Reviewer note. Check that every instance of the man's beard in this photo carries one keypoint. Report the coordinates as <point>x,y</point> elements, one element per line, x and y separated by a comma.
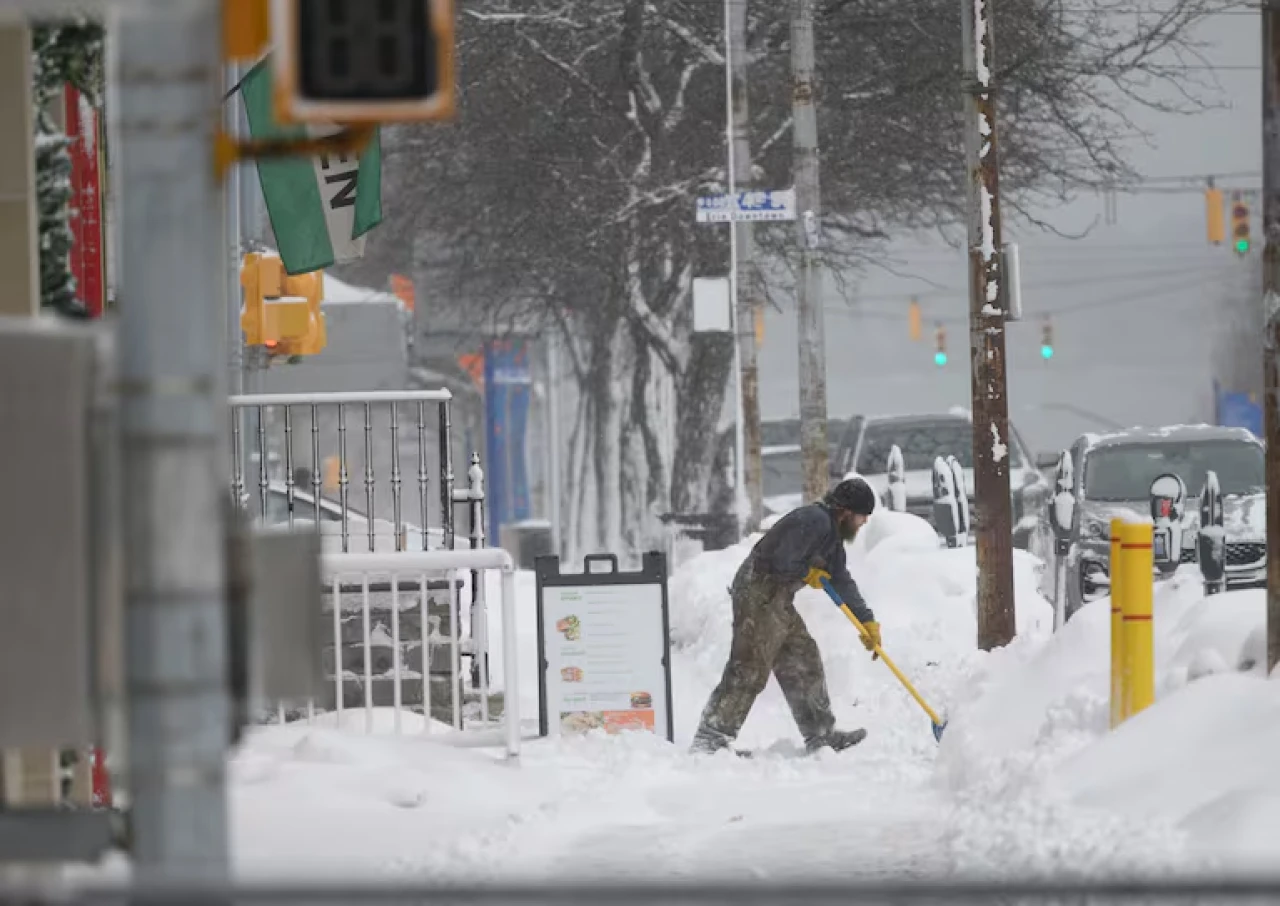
<point>848,532</point>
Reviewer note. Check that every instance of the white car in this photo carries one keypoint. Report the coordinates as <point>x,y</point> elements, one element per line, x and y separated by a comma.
<point>864,450</point>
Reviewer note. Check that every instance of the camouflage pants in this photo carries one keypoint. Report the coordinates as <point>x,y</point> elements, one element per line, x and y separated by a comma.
<point>769,636</point>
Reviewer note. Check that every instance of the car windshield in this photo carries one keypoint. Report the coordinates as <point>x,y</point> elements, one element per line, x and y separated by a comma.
<point>1126,472</point>
<point>921,443</point>
<point>782,473</point>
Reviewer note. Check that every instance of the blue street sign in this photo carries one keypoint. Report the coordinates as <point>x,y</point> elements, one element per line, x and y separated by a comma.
<point>754,206</point>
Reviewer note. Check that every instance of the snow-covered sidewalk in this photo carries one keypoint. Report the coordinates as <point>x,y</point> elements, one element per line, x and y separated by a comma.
<point>1028,777</point>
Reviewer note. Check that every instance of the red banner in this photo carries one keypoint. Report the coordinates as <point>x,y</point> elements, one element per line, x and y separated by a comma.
<point>86,200</point>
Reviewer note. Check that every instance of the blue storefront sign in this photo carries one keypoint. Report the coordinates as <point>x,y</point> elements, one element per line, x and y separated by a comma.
<point>507,385</point>
<point>1238,410</point>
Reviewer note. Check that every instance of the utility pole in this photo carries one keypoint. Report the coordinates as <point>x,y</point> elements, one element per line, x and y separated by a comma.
<point>809,320</point>
<point>749,300</point>
<point>993,511</point>
<point>167,70</point>
<point>740,504</point>
<point>1271,307</point>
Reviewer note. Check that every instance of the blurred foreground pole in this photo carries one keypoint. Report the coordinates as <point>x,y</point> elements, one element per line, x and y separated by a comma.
<point>167,71</point>
<point>1271,308</point>
<point>993,514</point>
<point>809,321</point>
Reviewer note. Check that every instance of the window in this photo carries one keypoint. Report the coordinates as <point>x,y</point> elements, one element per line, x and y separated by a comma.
<point>783,473</point>
<point>1126,472</point>
<point>921,443</point>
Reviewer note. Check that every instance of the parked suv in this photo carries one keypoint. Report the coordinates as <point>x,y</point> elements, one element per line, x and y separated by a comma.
<point>865,444</point>
<point>1112,475</point>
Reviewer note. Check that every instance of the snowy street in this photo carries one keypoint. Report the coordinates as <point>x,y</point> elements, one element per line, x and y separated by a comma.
<point>1027,778</point>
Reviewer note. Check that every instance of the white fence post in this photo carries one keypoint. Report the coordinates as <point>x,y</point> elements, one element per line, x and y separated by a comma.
<point>394,566</point>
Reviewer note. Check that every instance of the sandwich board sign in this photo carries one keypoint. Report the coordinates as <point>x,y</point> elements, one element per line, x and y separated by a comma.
<point>604,650</point>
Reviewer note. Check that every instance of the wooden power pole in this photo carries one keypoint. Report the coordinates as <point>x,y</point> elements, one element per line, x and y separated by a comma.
<point>993,511</point>
<point>809,326</point>
<point>749,291</point>
<point>1271,308</point>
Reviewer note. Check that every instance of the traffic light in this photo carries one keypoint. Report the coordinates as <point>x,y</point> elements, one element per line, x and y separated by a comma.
<point>940,357</point>
<point>1213,216</point>
<point>913,321</point>
<point>1046,340</point>
<point>281,313</point>
<point>1240,224</point>
<point>364,61</point>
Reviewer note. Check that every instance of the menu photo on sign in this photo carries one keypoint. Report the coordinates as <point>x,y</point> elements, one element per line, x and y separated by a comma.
<point>604,657</point>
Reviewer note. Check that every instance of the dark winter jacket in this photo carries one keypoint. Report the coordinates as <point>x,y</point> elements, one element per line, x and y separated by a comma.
<point>805,538</point>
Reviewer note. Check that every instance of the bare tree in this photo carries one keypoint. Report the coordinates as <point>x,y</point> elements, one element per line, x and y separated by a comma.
<point>564,192</point>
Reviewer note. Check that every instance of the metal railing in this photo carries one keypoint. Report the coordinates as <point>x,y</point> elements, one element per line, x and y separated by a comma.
<point>419,641</point>
<point>288,483</point>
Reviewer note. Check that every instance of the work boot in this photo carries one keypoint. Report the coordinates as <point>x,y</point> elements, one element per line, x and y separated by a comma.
<point>839,740</point>
<point>707,742</point>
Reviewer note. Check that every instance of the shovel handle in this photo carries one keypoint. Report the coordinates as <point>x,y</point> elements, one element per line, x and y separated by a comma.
<point>844,608</point>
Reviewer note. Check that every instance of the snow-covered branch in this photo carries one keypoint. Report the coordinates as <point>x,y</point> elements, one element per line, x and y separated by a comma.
<point>708,51</point>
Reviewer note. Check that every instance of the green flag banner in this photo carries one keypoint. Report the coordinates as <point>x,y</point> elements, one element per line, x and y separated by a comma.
<point>320,207</point>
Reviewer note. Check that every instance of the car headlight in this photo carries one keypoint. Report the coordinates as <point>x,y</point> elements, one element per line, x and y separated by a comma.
<point>1095,529</point>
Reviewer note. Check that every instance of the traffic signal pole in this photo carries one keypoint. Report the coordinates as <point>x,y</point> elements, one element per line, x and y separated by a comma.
<point>993,508</point>
<point>1271,308</point>
<point>166,69</point>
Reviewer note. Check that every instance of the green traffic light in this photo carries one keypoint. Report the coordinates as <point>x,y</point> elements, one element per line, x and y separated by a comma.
<point>1242,245</point>
<point>1046,351</point>
<point>939,358</point>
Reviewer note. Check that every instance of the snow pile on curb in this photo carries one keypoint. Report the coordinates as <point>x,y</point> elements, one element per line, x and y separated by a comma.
<point>1030,729</point>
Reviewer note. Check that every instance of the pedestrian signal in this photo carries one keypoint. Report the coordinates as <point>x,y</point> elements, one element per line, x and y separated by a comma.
<point>365,61</point>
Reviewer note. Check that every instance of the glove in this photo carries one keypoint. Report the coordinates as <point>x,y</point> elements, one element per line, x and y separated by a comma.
<point>815,577</point>
<point>871,638</point>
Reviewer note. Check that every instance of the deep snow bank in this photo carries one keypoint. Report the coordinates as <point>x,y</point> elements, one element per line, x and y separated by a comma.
<point>1203,758</point>
<point>1031,724</point>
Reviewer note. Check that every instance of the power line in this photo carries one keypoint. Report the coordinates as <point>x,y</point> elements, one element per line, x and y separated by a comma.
<point>1114,301</point>
<point>954,293</point>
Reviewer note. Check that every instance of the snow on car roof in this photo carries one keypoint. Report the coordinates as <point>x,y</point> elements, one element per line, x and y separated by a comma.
<point>921,417</point>
<point>1168,434</point>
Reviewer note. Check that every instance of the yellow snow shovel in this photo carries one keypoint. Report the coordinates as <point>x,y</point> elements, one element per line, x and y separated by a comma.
<point>938,724</point>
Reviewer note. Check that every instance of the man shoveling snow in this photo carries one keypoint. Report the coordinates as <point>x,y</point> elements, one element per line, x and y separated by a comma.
<point>803,547</point>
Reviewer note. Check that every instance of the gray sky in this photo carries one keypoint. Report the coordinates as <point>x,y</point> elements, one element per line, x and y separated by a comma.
<point>1152,274</point>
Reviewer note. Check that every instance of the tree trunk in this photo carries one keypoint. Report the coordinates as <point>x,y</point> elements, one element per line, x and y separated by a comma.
<point>700,403</point>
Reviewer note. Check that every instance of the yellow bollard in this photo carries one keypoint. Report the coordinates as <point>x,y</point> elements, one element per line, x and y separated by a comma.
<point>1117,625</point>
<point>1139,635</point>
